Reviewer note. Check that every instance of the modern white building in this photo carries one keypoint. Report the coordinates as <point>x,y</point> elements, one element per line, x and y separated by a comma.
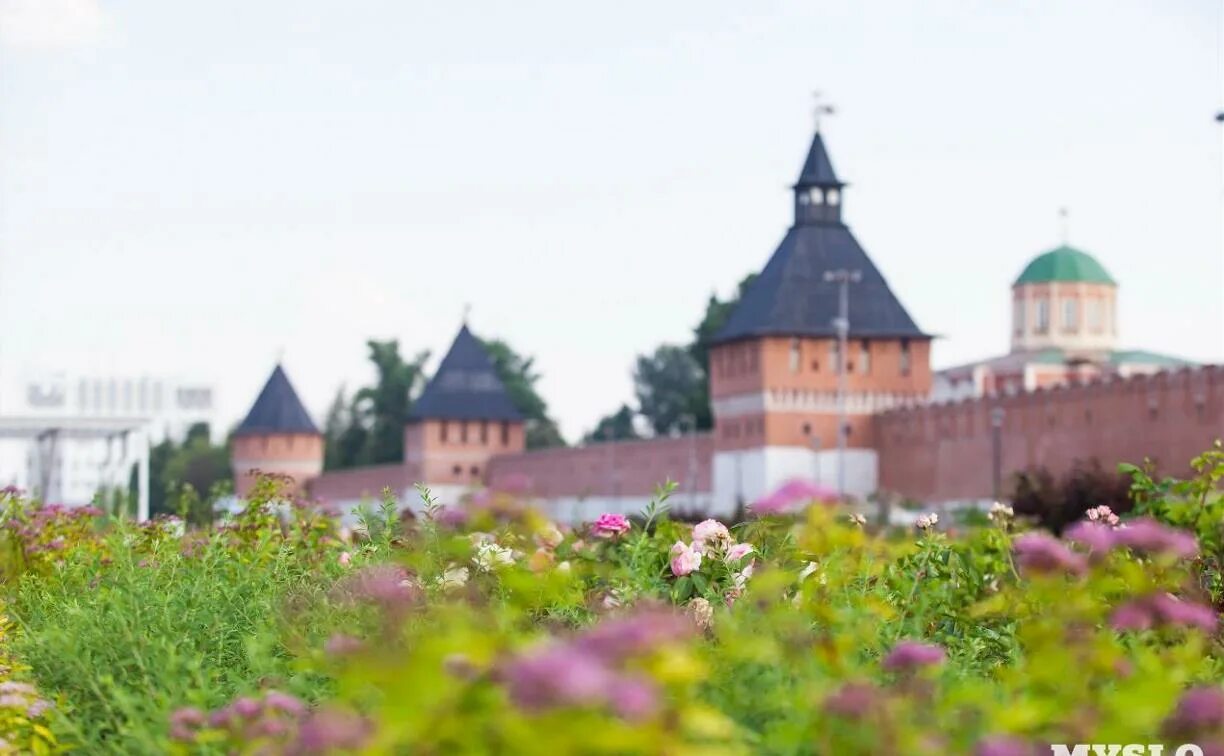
<point>66,437</point>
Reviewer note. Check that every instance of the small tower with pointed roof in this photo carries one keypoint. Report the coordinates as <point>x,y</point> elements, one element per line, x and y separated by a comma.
<point>277,436</point>
<point>774,365</point>
<point>464,417</point>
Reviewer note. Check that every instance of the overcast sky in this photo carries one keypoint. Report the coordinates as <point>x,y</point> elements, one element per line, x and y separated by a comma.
<point>192,188</point>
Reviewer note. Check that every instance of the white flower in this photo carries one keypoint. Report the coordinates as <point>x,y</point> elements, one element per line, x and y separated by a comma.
<point>453,578</point>
<point>490,556</point>
<point>1000,511</point>
<point>926,522</point>
<point>1103,513</point>
<point>710,532</point>
<point>808,569</point>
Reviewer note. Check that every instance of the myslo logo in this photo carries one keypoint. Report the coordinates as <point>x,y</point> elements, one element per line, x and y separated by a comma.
<point>1118,749</point>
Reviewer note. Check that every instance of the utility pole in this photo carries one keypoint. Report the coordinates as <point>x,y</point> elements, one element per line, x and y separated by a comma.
<point>996,452</point>
<point>841,325</point>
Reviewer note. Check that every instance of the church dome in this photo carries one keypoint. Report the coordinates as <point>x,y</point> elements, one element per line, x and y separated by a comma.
<point>1065,264</point>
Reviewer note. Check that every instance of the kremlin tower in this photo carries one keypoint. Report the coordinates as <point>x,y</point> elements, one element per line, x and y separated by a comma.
<point>277,436</point>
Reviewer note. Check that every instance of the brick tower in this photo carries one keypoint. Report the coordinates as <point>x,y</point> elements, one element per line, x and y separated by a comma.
<point>774,367</point>
<point>463,418</point>
<point>277,436</point>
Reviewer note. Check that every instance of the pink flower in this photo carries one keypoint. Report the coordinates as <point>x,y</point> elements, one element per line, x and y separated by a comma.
<point>912,655</point>
<point>711,531</point>
<point>345,559</point>
<point>290,705</point>
<point>1039,552</point>
<point>1148,536</point>
<point>610,526</point>
<point>791,496</point>
<point>685,559</point>
<point>633,698</point>
<point>739,551</point>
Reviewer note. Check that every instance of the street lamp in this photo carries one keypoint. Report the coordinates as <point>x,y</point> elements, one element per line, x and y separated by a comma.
<point>996,450</point>
<point>841,325</point>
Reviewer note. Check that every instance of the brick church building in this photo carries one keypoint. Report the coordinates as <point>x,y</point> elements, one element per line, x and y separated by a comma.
<point>778,386</point>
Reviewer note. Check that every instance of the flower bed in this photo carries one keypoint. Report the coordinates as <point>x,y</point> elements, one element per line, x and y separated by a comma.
<point>488,629</point>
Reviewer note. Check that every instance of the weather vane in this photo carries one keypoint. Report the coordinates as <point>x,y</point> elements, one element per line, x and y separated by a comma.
<point>822,108</point>
<point>467,312</point>
<point>1064,224</point>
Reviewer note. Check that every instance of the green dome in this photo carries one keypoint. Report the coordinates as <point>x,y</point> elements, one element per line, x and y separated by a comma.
<point>1065,264</point>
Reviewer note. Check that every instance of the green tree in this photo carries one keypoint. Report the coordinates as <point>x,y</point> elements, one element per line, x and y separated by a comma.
<point>196,463</point>
<point>617,426</point>
<point>668,384</point>
<point>383,408</point>
<point>518,374</point>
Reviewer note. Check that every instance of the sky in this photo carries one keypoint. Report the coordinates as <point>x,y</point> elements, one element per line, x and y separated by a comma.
<point>199,189</point>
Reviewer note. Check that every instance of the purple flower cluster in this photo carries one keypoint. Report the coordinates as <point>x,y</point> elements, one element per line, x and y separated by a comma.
<point>589,669</point>
<point>278,720</point>
<point>387,585</point>
<point>852,700</point>
<point>23,697</point>
<point>1163,609</point>
<point>912,655</point>
<point>1143,535</point>
<point>1039,552</point>
<point>1197,710</point>
<point>792,496</point>
<point>1005,745</point>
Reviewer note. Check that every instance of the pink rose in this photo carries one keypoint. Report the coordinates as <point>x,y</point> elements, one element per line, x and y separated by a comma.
<point>685,559</point>
<point>345,559</point>
<point>610,526</point>
<point>710,531</point>
<point>739,551</point>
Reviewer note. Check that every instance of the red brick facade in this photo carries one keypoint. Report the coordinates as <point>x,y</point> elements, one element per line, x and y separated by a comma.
<point>944,451</point>
<point>298,455</point>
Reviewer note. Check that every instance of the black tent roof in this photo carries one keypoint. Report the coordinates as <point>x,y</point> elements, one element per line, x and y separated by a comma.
<point>277,409</point>
<point>791,298</point>
<point>466,387</point>
<point>818,168</point>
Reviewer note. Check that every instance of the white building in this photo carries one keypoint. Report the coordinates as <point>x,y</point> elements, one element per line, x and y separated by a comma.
<point>64,437</point>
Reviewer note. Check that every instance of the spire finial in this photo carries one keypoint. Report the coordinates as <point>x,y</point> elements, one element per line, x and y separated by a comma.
<point>467,312</point>
<point>280,355</point>
<point>821,107</point>
<point>1064,224</point>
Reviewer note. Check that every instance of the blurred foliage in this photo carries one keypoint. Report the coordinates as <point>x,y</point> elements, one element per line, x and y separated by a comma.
<point>1055,502</point>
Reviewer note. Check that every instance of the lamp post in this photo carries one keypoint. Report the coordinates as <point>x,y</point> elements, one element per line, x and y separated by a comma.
<point>841,325</point>
<point>996,451</point>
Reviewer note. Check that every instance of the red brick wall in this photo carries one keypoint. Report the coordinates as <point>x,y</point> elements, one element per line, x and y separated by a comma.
<point>362,482</point>
<point>588,471</point>
<point>943,452</point>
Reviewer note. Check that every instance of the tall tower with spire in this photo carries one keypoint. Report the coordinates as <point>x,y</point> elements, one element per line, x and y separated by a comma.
<point>463,418</point>
<point>277,436</point>
<point>774,366</point>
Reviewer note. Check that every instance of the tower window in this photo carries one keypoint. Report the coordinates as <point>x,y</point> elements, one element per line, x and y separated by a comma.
<point>833,196</point>
<point>484,432</point>
<point>1043,315</point>
<point>816,196</point>
<point>1096,322</point>
<point>865,357</point>
<point>445,431</point>
<point>803,198</point>
<point>1018,316</point>
<point>463,430</point>
<point>457,470</point>
<point>505,433</point>
<point>1070,315</point>
<point>905,357</point>
<point>796,356</point>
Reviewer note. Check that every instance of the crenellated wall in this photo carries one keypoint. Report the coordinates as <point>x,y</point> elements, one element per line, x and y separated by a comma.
<point>943,452</point>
